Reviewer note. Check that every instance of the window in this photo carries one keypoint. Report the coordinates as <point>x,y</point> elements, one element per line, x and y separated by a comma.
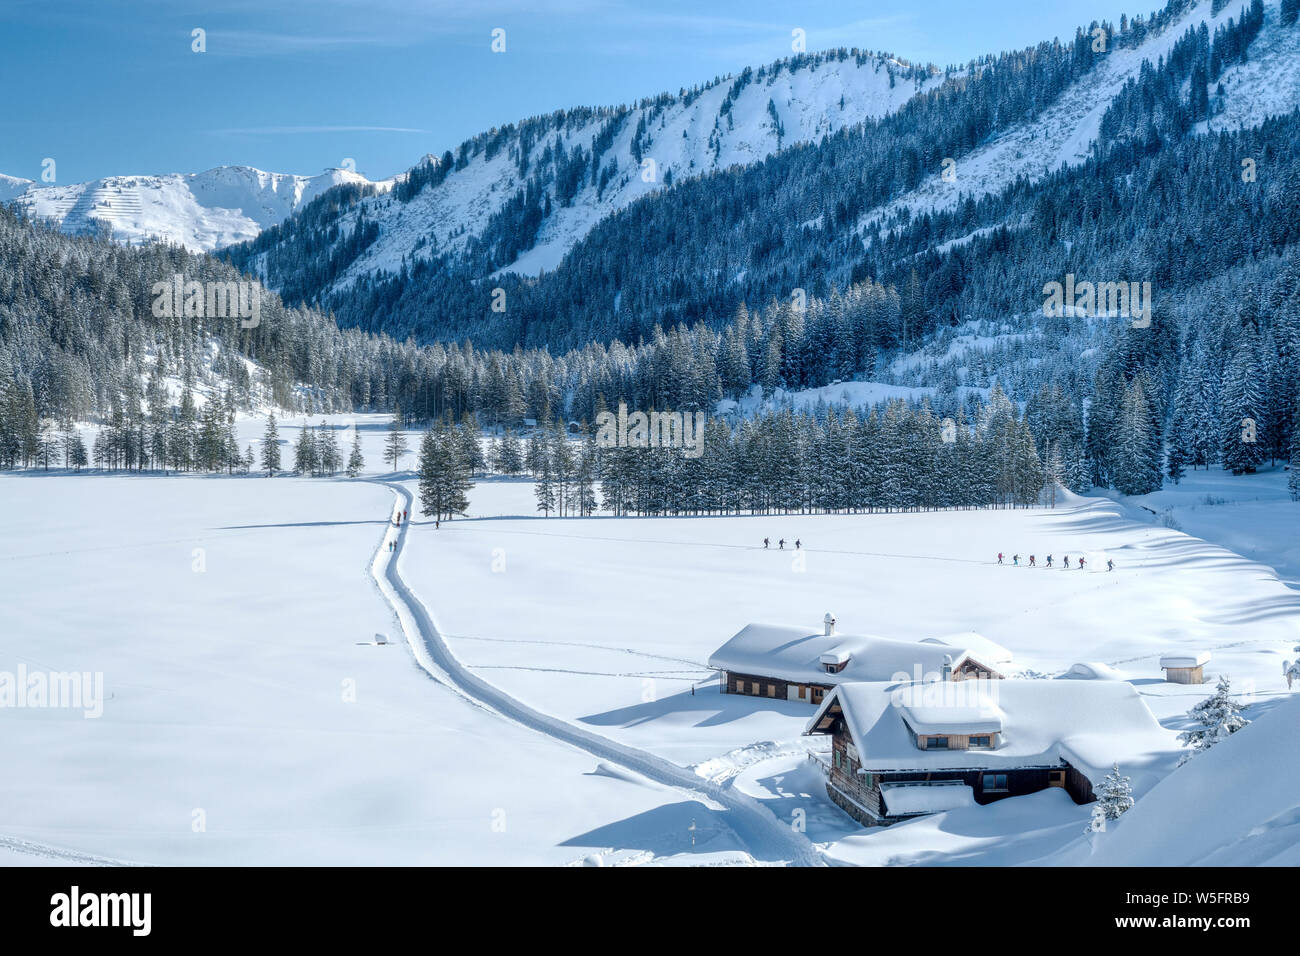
<point>837,758</point>
<point>995,783</point>
<point>771,690</point>
<point>936,743</point>
<point>803,692</point>
<point>980,743</point>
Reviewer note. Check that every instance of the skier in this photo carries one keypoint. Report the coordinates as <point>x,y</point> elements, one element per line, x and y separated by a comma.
<point>1067,560</point>
<point>1081,560</point>
<point>435,524</point>
<point>1015,560</point>
<point>765,543</point>
<point>404,515</point>
<point>797,544</point>
<point>1049,560</point>
<point>1031,561</point>
<point>781,544</point>
<point>1110,565</point>
<point>999,557</point>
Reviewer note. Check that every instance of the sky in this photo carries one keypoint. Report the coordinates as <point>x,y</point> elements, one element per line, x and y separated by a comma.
<point>108,87</point>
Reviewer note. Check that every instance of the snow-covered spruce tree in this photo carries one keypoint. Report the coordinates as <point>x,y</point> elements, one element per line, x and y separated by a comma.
<point>327,446</point>
<point>395,445</point>
<point>1242,408</point>
<point>1114,799</point>
<point>1291,669</point>
<point>1293,478</point>
<point>1218,717</point>
<point>445,478</point>
<point>306,458</point>
<point>1137,459</point>
<point>356,462</point>
<point>271,447</point>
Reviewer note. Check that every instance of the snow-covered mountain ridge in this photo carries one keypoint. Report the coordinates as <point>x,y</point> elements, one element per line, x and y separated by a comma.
<point>200,211</point>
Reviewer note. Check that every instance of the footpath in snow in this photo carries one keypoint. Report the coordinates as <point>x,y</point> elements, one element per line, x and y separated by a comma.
<point>766,838</point>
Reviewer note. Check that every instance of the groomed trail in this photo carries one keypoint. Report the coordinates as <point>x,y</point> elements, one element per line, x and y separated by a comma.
<point>763,836</point>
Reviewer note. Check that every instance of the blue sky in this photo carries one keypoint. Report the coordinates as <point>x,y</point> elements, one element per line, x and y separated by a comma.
<point>112,86</point>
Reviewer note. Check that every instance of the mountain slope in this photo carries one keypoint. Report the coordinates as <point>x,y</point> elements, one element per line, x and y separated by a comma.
<point>731,217</point>
<point>201,211</point>
<point>1238,804</point>
<point>1267,84</point>
<point>530,191</point>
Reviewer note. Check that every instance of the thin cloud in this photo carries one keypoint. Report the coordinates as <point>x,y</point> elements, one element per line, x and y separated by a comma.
<point>291,130</point>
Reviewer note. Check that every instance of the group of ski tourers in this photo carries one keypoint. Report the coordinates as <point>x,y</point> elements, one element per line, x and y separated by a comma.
<point>398,518</point>
<point>781,544</point>
<point>1033,561</point>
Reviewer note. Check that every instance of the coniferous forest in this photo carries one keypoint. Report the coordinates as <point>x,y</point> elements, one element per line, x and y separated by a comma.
<point>764,279</point>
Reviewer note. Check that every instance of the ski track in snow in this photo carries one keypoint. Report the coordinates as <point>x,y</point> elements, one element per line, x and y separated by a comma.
<point>766,839</point>
<point>58,853</point>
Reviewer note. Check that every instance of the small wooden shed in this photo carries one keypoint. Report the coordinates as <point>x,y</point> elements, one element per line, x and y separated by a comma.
<point>1185,668</point>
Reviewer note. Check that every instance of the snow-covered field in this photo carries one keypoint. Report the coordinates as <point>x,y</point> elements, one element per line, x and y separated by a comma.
<point>242,702</point>
<point>230,618</point>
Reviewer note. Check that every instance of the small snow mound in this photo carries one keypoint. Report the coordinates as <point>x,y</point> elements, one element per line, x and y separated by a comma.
<point>1091,670</point>
<point>592,860</point>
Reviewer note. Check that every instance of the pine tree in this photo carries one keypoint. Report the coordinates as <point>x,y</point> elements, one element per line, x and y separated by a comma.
<point>1136,460</point>
<point>1291,669</point>
<point>1293,477</point>
<point>77,458</point>
<point>327,446</point>
<point>444,473</point>
<point>271,447</point>
<point>1218,716</point>
<point>356,463</point>
<point>1242,424</point>
<point>395,445</point>
<point>306,457</point>
<point>1114,799</point>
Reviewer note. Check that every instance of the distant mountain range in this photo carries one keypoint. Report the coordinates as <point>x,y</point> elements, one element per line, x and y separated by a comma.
<point>783,176</point>
<point>200,211</point>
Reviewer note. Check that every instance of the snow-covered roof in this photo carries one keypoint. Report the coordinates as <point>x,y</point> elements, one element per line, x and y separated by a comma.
<point>797,654</point>
<point>1092,724</point>
<point>904,799</point>
<point>1185,660</point>
<point>978,646</point>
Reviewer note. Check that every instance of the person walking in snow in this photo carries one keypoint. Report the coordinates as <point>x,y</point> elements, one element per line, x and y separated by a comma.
<point>1067,560</point>
<point>1031,561</point>
<point>999,557</point>
<point>1049,560</point>
<point>404,514</point>
<point>765,543</point>
<point>797,544</point>
<point>1081,560</point>
<point>781,544</point>
<point>1110,565</point>
<point>1015,560</point>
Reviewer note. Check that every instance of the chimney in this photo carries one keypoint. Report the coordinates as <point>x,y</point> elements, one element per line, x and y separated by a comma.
<point>829,621</point>
<point>946,672</point>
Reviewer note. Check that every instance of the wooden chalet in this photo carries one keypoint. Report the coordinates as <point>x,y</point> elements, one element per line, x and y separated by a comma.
<point>791,663</point>
<point>900,750</point>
